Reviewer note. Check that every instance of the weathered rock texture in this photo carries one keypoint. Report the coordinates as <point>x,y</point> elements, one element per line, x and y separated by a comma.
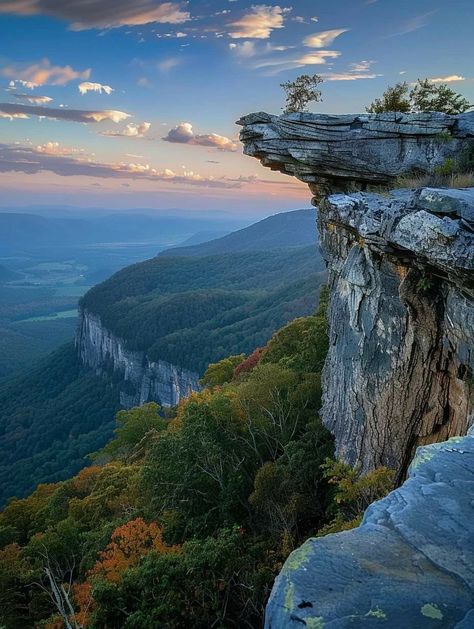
<point>410,564</point>
<point>399,371</point>
<point>140,379</point>
<point>352,152</point>
<point>400,366</point>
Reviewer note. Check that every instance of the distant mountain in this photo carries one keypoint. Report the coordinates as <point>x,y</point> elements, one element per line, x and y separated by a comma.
<point>288,229</point>
<point>31,232</point>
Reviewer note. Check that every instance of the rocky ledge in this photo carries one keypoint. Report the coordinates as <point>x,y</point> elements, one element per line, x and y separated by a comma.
<point>409,564</point>
<point>355,151</point>
<point>140,379</point>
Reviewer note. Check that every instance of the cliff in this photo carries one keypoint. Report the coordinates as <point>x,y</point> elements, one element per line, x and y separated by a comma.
<point>140,380</point>
<point>409,564</point>
<point>401,358</point>
<point>399,371</point>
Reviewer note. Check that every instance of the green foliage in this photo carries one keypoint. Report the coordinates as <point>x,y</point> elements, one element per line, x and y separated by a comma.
<point>50,419</point>
<point>394,98</point>
<point>195,311</point>
<point>354,492</point>
<point>424,96</point>
<point>300,92</point>
<point>133,427</point>
<point>194,516</point>
<point>222,372</point>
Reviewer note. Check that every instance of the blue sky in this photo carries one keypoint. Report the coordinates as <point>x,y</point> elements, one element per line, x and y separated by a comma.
<point>185,71</point>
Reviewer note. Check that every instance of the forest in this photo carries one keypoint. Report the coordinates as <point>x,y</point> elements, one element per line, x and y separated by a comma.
<point>185,517</point>
<point>233,302</point>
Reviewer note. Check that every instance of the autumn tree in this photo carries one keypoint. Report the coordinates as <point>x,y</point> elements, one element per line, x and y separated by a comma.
<point>129,543</point>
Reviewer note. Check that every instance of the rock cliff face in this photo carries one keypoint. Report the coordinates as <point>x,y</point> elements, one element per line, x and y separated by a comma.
<point>140,379</point>
<point>401,270</point>
<point>410,563</point>
<point>401,323</point>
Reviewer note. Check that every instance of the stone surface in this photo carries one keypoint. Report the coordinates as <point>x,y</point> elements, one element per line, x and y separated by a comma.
<point>399,371</point>
<point>409,565</point>
<point>141,380</point>
<point>341,153</point>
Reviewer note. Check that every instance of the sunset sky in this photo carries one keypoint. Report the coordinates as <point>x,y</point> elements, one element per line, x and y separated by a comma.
<point>130,104</point>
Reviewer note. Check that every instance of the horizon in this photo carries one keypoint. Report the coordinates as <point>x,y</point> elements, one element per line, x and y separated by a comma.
<point>135,107</point>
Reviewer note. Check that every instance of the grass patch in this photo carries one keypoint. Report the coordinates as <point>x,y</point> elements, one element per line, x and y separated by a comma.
<point>436,180</point>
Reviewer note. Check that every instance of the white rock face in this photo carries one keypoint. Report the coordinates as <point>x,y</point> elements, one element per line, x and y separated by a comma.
<point>141,379</point>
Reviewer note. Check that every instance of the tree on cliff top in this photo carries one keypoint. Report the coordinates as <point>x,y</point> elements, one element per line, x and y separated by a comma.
<point>424,96</point>
<point>300,92</point>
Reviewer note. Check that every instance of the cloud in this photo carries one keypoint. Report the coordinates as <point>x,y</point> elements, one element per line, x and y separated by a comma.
<point>248,49</point>
<point>87,86</point>
<point>323,38</point>
<point>28,84</point>
<point>414,24</point>
<point>31,98</point>
<point>274,66</point>
<point>168,64</point>
<point>12,116</point>
<point>451,78</point>
<point>73,115</point>
<point>131,130</point>
<point>348,76</point>
<point>32,160</point>
<point>184,134</point>
<point>86,14</point>
<point>42,73</point>
<point>357,71</point>
<point>258,23</point>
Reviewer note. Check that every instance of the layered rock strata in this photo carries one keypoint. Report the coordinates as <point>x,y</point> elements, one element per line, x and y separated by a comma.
<point>355,151</point>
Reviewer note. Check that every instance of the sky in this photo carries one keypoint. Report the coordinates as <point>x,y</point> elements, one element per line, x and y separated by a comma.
<point>133,104</point>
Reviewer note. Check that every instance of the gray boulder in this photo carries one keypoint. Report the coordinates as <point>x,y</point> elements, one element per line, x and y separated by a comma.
<point>410,564</point>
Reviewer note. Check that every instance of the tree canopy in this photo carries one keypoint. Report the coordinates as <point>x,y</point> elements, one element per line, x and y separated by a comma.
<point>424,95</point>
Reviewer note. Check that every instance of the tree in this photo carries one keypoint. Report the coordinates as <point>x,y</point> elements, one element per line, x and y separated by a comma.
<point>132,427</point>
<point>130,542</point>
<point>424,96</point>
<point>427,96</point>
<point>300,92</point>
<point>223,371</point>
<point>394,98</point>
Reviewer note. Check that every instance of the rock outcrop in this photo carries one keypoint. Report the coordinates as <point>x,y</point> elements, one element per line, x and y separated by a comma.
<point>410,564</point>
<point>399,371</point>
<point>400,367</point>
<point>355,151</point>
<point>140,379</point>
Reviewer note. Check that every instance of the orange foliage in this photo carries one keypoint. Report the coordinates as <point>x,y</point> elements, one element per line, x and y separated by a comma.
<point>129,543</point>
<point>82,593</point>
<point>84,481</point>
